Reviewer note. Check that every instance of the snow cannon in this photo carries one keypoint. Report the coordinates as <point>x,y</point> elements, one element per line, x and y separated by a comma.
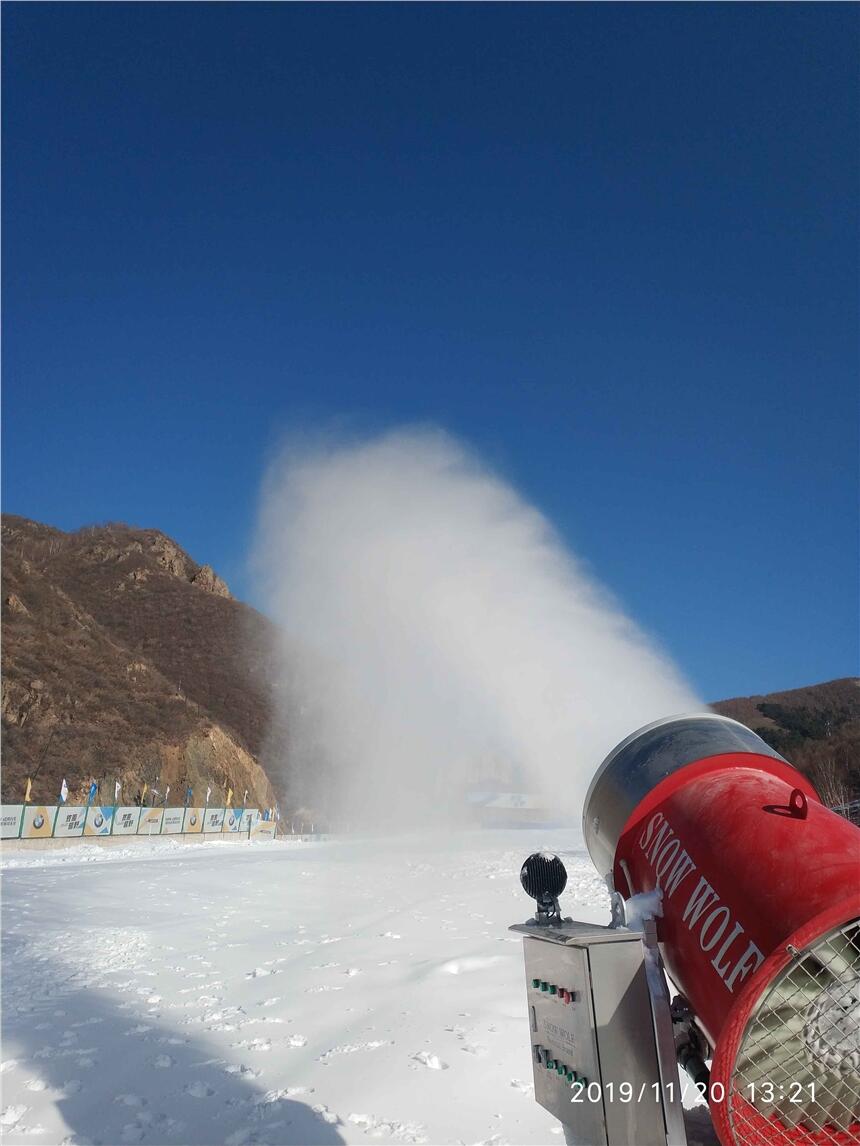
<point>758,921</point>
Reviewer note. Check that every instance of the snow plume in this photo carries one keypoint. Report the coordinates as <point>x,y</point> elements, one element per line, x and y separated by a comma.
<point>435,632</point>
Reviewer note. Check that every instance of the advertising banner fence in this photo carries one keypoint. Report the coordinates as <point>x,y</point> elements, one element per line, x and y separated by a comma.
<point>193,820</point>
<point>171,821</point>
<point>99,821</point>
<point>70,821</point>
<point>150,821</point>
<point>214,820</point>
<point>29,822</point>
<point>10,821</point>
<point>125,821</point>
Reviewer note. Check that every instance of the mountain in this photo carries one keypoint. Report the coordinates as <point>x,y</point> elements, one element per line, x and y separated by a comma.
<point>125,659</point>
<point>816,728</point>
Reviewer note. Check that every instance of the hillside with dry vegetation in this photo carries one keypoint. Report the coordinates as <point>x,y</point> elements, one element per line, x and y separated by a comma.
<point>816,728</point>
<point>125,659</point>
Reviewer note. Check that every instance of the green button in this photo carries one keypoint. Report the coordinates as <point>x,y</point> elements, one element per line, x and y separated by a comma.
<point>550,1064</point>
<point>553,990</point>
<point>560,1069</point>
<point>544,986</point>
<point>535,982</point>
<point>571,1076</point>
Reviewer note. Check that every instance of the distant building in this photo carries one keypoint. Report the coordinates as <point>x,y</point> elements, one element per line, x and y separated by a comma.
<point>500,809</point>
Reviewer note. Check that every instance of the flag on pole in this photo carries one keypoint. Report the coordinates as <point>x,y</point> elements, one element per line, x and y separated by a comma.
<point>189,795</point>
<point>245,798</point>
<point>154,794</point>
<point>117,787</point>
<point>64,791</point>
<point>143,793</point>
<point>166,794</point>
<point>229,796</point>
<point>91,795</point>
<point>29,789</point>
<point>208,794</point>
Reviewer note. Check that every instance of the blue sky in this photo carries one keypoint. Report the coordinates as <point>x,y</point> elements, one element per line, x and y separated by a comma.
<point>614,247</point>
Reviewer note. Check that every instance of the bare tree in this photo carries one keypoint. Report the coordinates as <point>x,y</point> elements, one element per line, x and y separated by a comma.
<point>829,781</point>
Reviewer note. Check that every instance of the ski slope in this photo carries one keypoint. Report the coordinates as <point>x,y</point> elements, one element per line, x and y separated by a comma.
<point>339,991</point>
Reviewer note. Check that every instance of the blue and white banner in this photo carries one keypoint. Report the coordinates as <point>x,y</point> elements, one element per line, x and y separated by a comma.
<point>249,818</point>
<point>98,822</point>
<point>233,820</point>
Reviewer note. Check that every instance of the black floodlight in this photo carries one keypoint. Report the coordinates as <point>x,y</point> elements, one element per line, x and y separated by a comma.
<point>544,878</point>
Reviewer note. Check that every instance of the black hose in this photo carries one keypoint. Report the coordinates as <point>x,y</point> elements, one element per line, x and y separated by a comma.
<point>695,1066</point>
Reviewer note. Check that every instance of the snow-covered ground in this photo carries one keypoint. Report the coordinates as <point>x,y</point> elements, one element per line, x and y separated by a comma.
<point>338,991</point>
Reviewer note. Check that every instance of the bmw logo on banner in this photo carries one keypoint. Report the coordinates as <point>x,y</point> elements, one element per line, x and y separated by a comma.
<point>99,822</point>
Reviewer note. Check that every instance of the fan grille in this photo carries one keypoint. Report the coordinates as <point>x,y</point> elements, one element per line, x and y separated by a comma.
<point>797,1073</point>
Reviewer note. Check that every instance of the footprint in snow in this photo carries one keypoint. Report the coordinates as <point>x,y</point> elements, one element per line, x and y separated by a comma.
<point>431,1061</point>
<point>242,1071</point>
<point>198,1090</point>
<point>325,1114</point>
<point>163,1061</point>
<point>412,1132</point>
<point>273,1096</point>
<point>12,1114</point>
<point>254,1044</point>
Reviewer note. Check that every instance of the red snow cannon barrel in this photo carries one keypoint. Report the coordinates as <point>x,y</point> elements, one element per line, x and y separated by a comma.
<point>761,918</point>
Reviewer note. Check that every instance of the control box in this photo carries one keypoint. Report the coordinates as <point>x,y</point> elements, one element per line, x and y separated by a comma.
<point>602,1046</point>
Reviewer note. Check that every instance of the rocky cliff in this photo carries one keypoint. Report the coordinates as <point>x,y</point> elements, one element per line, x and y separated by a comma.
<point>124,659</point>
